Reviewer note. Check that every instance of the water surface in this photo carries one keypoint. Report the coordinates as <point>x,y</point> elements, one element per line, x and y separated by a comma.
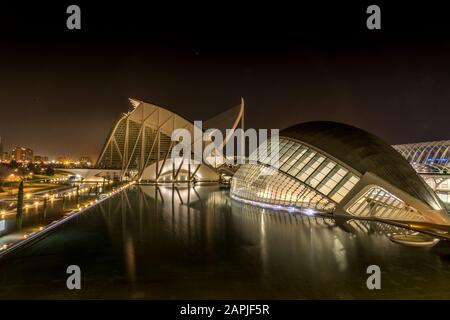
<point>164,242</point>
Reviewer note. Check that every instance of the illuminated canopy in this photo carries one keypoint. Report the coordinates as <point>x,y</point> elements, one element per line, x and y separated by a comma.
<point>431,156</point>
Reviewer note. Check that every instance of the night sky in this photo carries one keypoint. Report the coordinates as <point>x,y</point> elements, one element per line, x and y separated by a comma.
<point>61,90</point>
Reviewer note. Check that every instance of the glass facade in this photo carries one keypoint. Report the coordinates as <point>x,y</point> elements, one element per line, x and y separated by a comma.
<point>379,203</point>
<point>263,184</point>
<point>302,177</point>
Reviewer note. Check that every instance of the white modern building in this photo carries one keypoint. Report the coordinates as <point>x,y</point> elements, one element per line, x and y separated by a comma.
<point>339,169</point>
<point>427,157</point>
<point>140,144</point>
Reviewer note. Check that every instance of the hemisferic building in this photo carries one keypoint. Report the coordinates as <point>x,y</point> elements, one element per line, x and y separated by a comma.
<point>339,169</point>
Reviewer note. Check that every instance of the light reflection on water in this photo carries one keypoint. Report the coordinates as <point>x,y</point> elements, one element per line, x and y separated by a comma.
<point>197,242</point>
<point>38,216</point>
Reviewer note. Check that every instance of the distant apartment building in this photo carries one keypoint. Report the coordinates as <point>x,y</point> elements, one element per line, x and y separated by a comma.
<point>4,155</point>
<point>22,154</point>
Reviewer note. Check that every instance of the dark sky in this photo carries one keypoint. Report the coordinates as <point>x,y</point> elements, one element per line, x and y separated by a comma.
<point>61,90</point>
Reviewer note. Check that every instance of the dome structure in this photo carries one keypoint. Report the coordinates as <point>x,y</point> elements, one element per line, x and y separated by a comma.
<point>363,152</point>
<point>341,169</point>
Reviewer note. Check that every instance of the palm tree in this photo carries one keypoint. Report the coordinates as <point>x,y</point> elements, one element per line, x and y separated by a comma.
<point>19,214</point>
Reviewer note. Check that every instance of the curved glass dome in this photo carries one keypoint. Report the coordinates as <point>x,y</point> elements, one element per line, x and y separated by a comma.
<point>363,152</point>
<point>340,169</point>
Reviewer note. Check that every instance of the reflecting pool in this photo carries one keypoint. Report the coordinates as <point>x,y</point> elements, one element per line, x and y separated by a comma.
<point>198,243</point>
<point>43,209</point>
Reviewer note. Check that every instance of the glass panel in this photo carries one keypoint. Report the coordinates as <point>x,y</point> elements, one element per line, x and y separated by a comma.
<point>377,202</point>
<point>321,173</point>
<point>290,162</point>
<point>308,155</point>
<point>262,184</point>
<point>310,167</point>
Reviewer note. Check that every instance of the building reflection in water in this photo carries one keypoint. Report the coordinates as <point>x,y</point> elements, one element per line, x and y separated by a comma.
<point>195,243</point>
<point>204,223</point>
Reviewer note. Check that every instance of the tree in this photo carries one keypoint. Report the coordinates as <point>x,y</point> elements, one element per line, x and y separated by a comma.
<point>19,214</point>
<point>32,167</point>
<point>49,171</point>
<point>13,164</point>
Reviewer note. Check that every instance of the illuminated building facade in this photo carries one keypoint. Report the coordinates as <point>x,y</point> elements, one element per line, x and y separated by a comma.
<point>427,157</point>
<point>339,169</point>
<point>432,161</point>
<point>140,144</point>
<point>22,154</point>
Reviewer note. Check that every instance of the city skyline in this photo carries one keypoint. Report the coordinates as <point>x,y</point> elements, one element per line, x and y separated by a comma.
<point>10,148</point>
<point>67,87</point>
